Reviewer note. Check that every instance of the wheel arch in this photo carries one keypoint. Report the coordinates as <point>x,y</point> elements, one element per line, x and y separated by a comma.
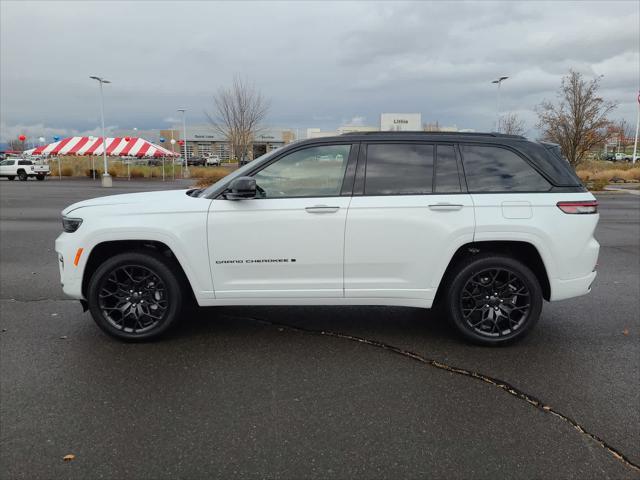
<point>525,252</point>
<point>103,250</point>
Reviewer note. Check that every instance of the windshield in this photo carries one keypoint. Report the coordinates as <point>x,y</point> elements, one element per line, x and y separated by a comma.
<point>239,172</point>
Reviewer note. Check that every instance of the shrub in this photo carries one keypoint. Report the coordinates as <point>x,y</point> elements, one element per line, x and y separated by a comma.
<point>597,185</point>
<point>66,171</point>
<point>89,173</point>
<point>113,172</point>
<point>137,173</point>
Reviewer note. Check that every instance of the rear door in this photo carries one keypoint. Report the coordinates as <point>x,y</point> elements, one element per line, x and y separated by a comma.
<point>409,214</point>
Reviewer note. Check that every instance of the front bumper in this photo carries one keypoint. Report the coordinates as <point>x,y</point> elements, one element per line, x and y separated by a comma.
<point>71,264</point>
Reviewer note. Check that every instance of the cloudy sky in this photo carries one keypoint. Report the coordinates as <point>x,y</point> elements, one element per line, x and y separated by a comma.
<point>320,63</point>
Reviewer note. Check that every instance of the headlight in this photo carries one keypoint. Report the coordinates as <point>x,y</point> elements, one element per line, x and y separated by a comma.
<point>70,225</point>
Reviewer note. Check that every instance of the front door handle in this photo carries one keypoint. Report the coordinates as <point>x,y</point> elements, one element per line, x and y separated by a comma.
<point>446,206</point>
<point>322,209</point>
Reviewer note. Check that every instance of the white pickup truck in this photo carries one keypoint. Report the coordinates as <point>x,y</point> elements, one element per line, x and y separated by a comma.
<point>23,169</point>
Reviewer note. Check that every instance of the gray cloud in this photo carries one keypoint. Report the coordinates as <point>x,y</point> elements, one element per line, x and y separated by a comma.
<point>319,63</point>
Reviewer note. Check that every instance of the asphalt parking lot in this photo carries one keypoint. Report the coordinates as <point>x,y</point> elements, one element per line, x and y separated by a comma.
<point>311,392</point>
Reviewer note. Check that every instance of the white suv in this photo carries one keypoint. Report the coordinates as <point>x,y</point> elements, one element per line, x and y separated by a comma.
<point>485,225</point>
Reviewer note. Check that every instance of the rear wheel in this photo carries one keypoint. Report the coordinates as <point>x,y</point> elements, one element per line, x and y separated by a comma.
<point>40,177</point>
<point>22,175</point>
<point>135,296</point>
<point>493,300</point>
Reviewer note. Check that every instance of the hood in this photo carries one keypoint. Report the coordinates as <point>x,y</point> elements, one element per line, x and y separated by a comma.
<point>160,199</point>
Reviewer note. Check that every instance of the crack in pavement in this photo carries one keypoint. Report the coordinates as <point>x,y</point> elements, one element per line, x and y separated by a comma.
<point>507,387</point>
<point>39,299</point>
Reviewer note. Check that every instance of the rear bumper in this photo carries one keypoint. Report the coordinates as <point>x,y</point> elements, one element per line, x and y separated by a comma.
<point>575,287</point>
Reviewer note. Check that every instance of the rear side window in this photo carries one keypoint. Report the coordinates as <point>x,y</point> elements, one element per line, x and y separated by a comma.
<point>495,169</point>
<point>447,178</point>
<point>24,162</point>
<point>399,169</point>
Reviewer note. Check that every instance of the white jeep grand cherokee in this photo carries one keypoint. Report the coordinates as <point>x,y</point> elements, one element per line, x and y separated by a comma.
<point>485,225</point>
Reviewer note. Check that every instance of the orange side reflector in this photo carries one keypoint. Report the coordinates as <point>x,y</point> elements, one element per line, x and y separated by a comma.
<point>78,255</point>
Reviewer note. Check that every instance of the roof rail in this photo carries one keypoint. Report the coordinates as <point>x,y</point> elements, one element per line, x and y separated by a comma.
<point>418,132</point>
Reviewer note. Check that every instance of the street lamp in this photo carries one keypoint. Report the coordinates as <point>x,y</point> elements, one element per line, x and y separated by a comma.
<point>106,178</point>
<point>498,81</point>
<point>184,137</point>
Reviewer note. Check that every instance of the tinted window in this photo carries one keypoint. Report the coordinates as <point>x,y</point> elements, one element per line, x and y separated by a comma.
<point>447,179</point>
<point>312,172</point>
<point>398,169</point>
<point>24,162</point>
<point>495,169</point>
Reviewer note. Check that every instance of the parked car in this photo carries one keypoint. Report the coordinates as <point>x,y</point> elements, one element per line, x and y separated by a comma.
<point>622,157</point>
<point>196,161</point>
<point>13,167</point>
<point>212,160</point>
<point>486,226</point>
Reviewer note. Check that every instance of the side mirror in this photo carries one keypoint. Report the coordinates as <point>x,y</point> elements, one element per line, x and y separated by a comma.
<point>241,187</point>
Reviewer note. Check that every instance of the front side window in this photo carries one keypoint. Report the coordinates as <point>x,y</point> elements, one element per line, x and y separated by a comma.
<point>495,169</point>
<point>312,172</point>
<point>6,163</point>
<point>399,169</point>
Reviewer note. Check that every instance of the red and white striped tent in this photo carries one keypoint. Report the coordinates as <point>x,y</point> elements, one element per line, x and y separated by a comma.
<point>116,147</point>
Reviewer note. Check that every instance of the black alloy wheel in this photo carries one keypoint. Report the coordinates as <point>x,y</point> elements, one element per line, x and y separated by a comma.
<point>135,296</point>
<point>494,300</point>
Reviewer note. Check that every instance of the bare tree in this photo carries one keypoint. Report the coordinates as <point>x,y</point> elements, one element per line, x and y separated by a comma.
<point>625,132</point>
<point>17,145</point>
<point>511,124</point>
<point>578,121</point>
<point>238,112</point>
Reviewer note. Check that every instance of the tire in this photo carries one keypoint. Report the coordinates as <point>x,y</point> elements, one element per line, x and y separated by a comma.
<point>160,287</point>
<point>22,176</point>
<point>505,317</point>
<point>40,177</point>
<point>11,177</point>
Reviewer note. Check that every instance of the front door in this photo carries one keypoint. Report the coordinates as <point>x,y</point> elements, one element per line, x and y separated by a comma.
<point>288,242</point>
<point>7,166</point>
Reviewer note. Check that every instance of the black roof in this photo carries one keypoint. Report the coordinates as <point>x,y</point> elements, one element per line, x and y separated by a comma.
<point>539,154</point>
<point>437,134</point>
<point>406,135</point>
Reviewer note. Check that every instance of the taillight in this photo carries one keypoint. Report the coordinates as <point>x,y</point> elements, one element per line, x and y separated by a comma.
<point>590,206</point>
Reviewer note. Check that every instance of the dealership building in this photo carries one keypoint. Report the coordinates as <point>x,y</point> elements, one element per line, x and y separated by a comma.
<point>204,140</point>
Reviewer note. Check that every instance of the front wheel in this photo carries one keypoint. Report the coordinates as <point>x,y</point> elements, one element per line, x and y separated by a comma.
<point>135,296</point>
<point>493,300</point>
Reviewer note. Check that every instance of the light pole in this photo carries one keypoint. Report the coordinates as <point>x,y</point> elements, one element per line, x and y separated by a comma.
<point>184,135</point>
<point>498,81</point>
<point>173,150</point>
<point>635,142</point>
<point>106,178</point>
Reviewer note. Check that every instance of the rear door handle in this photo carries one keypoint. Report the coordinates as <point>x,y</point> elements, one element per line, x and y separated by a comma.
<point>446,206</point>
<point>322,209</point>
